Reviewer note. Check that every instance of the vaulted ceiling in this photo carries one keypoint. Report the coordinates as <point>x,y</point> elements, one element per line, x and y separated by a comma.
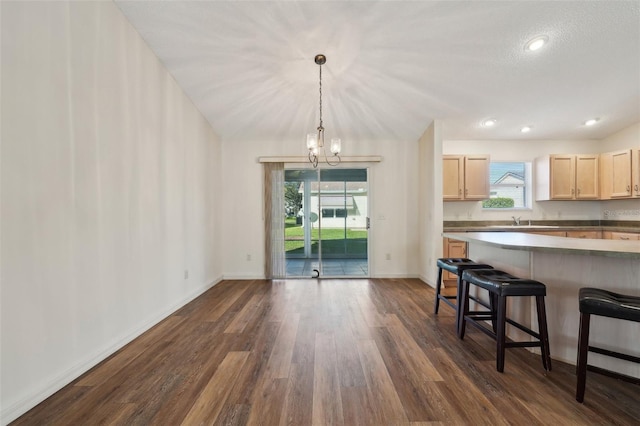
<point>395,66</point>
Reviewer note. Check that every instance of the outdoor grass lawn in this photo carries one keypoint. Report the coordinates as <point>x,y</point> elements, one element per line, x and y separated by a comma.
<point>333,240</point>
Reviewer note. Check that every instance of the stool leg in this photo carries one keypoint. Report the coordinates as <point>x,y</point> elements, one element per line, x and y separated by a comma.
<point>438,286</point>
<point>463,308</point>
<point>501,332</point>
<point>458,299</point>
<point>545,351</point>
<point>493,303</point>
<point>583,349</point>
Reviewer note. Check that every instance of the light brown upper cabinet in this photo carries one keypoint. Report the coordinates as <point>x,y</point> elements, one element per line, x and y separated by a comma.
<point>567,177</point>
<point>465,177</point>
<point>620,174</point>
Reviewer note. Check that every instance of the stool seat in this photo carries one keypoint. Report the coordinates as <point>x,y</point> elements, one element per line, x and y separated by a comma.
<point>605,303</point>
<point>504,284</point>
<point>458,264</point>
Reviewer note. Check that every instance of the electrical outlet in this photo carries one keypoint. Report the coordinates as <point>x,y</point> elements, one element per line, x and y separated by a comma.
<point>388,256</point>
<point>186,274</point>
<point>248,257</point>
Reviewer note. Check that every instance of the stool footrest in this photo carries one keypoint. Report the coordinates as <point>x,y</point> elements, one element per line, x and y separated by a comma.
<point>480,302</point>
<point>481,327</point>
<point>523,328</point>
<point>446,299</point>
<point>523,344</point>
<point>614,354</point>
<point>613,374</point>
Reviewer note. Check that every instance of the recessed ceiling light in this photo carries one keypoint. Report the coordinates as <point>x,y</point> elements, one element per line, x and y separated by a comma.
<point>490,122</point>
<point>536,43</point>
<point>591,122</point>
<point>526,129</point>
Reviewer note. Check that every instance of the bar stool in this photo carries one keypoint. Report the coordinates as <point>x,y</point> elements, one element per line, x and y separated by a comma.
<point>594,301</point>
<point>456,266</point>
<point>500,286</point>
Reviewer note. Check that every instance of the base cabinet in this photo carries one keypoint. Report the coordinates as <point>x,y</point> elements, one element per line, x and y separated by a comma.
<point>595,235</point>
<point>624,236</point>
<point>452,248</point>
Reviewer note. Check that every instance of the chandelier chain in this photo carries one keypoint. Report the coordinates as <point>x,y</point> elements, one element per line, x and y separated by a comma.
<point>320,90</point>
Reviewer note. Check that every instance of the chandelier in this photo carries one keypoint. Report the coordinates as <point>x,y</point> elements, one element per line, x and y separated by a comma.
<point>315,141</point>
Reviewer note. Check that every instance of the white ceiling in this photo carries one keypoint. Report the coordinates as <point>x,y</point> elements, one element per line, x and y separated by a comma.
<point>393,67</point>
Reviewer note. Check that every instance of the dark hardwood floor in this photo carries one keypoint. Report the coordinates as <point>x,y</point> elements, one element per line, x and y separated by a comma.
<point>324,352</point>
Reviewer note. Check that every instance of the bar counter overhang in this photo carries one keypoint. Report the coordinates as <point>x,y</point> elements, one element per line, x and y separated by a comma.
<point>565,265</point>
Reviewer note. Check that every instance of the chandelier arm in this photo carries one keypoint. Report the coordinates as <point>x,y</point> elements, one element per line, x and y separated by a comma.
<point>326,159</point>
<point>313,159</point>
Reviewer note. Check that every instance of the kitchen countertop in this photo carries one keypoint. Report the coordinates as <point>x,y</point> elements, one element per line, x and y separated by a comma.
<point>544,243</point>
<point>498,226</point>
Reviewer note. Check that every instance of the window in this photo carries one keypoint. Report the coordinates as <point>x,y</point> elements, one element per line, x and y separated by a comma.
<point>327,212</point>
<point>509,186</point>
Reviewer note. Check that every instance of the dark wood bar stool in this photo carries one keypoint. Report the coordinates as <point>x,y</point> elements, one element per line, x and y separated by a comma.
<point>500,286</point>
<point>594,301</point>
<point>456,266</point>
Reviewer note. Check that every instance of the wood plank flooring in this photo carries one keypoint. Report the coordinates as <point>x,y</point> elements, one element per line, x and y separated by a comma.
<point>326,352</point>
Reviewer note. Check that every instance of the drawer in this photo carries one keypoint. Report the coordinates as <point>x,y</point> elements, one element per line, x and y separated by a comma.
<point>594,235</point>
<point>631,236</point>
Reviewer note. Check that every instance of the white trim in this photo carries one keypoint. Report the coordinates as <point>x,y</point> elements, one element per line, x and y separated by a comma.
<point>292,159</point>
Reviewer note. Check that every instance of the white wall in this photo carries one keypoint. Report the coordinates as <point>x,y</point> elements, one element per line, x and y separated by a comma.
<point>109,180</point>
<point>624,139</point>
<point>430,210</point>
<point>527,151</point>
<point>622,209</point>
<point>392,192</point>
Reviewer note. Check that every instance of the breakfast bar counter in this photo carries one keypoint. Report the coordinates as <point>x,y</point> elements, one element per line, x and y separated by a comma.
<point>565,265</point>
<point>549,244</point>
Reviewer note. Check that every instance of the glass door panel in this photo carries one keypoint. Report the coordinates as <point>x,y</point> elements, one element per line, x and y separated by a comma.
<point>326,224</point>
<point>343,222</point>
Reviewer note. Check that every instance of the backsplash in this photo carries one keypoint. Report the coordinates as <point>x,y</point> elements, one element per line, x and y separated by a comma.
<point>567,223</point>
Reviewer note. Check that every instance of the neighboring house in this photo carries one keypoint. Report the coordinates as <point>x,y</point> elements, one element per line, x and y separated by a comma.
<point>509,185</point>
<point>338,204</point>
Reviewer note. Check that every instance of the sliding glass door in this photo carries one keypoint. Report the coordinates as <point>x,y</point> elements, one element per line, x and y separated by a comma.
<point>326,224</point>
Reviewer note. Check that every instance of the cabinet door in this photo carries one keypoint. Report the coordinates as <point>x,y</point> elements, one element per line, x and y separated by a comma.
<point>452,177</point>
<point>635,172</point>
<point>606,173</point>
<point>562,176</point>
<point>587,177</point>
<point>626,236</point>
<point>621,174</point>
<point>453,248</point>
<point>476,177</point>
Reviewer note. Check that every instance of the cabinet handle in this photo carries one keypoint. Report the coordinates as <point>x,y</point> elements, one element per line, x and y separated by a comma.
<point>636,188</point>
<point>572,191</point>
<point>624,238</point>
<point>628,188</point>
<point>459,191</point>
<point>578,191</point>
<point>466,192</point>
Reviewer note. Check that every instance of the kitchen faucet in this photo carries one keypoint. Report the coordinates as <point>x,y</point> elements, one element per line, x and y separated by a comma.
<point>516,221</point>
